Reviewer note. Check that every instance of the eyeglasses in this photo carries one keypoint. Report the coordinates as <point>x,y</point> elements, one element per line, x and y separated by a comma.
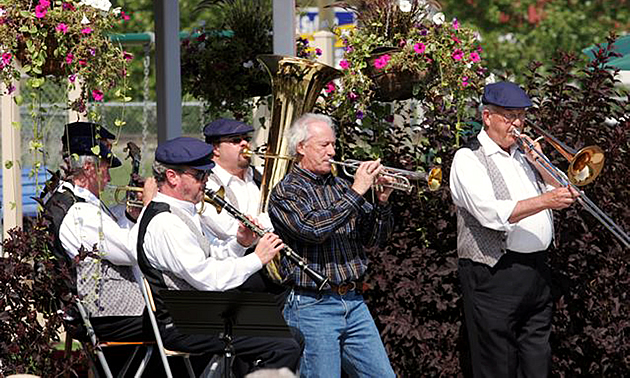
<point>197,174</point>
<point>510,117</point>
<point>236,139</point>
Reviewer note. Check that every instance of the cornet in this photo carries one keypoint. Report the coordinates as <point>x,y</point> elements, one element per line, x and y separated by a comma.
<point>122,190</point>
<point>402,178</point>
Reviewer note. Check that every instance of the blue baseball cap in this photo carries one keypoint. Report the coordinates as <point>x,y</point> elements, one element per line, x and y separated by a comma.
<point>186,151</point>
<point>83,145</point>
<point>506,95</point>
<point>225,127</point>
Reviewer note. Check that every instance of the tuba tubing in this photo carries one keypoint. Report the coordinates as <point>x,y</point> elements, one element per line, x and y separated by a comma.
<point>320,280</point>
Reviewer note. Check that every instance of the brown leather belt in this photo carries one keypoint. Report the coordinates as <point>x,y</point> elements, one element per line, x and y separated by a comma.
<point>344,288</point>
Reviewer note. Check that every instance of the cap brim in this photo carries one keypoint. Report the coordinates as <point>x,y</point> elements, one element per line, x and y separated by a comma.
<point>204,167</point>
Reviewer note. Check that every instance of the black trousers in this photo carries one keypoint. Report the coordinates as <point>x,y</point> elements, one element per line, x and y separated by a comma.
<point>251,352</point>
<point>508,315</point>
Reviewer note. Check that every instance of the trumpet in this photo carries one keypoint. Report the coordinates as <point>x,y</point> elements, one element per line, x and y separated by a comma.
<point>584,167</point>
<point>121,190</point>
<point>216,199</point>
<point>402,177</point>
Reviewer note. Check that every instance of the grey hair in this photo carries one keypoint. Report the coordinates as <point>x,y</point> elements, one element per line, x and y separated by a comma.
<point>73,165</point>
<point>299,131</point>
<point>159,171</point>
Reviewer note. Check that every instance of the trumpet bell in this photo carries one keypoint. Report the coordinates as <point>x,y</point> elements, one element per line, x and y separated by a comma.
<point>586,165</point>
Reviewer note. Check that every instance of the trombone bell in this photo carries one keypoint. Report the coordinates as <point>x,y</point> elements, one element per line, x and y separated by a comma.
<point>586,165</point>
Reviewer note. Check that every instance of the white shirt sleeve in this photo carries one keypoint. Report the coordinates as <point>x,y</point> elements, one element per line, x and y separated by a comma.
<point>86,225</point>
<point>471,189</point>
<point>171,246</point>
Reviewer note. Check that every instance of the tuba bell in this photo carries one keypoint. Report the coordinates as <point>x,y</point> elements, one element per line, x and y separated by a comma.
<point>296,84</point>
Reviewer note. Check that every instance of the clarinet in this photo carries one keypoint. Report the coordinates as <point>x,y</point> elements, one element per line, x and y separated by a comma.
<point>220,203</point>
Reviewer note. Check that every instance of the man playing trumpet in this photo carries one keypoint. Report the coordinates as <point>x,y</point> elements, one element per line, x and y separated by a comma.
<point>504,228</point>
<point>328,222</point>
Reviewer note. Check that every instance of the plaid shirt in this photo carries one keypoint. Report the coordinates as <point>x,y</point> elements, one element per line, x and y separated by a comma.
<point>328,224</point>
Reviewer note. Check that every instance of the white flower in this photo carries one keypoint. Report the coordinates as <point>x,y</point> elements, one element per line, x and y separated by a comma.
<point>404,5</point>
<point>85,20</point>
<point>116,11</point>
<point>2,12</point>
<point>248,64</point>
<point>103,5</point>
<point>438,18</point>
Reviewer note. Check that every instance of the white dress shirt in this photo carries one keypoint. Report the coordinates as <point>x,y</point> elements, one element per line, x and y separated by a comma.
<point>471,189</point>
<point>247,195</point>
<point>170,245</point>
<point>89,223</point>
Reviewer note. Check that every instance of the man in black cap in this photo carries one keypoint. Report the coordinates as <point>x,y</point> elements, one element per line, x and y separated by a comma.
<point>233,172</point>
<point>504,228</point>
<point>80,220</point>
<point>174,253</point>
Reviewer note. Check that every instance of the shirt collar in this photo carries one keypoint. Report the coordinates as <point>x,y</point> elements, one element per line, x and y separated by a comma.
<point>186,206</point>
<point>311,175</point>
<point>490,147</point>
<point>225,176</point>
<point>81,192</point>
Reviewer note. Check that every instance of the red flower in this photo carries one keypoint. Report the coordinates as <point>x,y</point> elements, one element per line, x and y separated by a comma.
<point>97,95</point>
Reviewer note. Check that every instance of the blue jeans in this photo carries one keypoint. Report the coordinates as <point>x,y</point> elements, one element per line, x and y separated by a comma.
<point>338,332</point>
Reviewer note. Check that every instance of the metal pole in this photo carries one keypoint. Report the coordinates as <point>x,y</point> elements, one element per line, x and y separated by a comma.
<point>11,162</point>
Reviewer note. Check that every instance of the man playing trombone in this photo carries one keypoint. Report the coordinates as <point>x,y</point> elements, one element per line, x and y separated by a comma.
<point>328,222</point>
<point>504,200</point>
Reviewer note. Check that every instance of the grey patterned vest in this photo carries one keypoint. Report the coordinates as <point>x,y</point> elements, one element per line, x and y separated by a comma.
<point>106,289</point>
<point>158,279</point>
<point>474,241</point>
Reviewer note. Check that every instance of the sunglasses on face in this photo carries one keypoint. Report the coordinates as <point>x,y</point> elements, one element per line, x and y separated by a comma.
<point>236,139</point>
<point>197,174</point>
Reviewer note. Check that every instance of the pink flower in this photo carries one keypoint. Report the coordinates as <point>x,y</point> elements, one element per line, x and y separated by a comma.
<point>44,3</point>
<point>352,96</point>
<point>465,81</point>
<point>344,64</point>
<point>474,57</point>
<point>72,78</point>
<point>458,54</point>
<point>97,95</point>
<point>455,24</point>
<point>82,62</point>
<point>86,31</point>
<point>69,58</point>
<point>62,28</point>
<point>381,62</point>
<point>6,58</point>
<point>68,6</point>
<point>455,39</point>
<point>128,56</point>
<point>40,11</point>
<point>330,87</point>
<point>124,16</point>
<point>318,51</point>
<point>419,48</point>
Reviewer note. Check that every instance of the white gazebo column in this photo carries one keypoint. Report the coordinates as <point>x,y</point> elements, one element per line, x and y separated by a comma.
<point>11,162</point>
<point>325,41</point>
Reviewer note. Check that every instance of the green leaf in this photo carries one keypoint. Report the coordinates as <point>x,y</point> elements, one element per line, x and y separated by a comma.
<point>23,29</point>
<point>33,29</point>
<point>37,70</point>
<point>119,123</point>
<point>96,150</point>
<point>27,68</point>
<point>16,125</point>
<point>8,164</point>
<point>19,100</point>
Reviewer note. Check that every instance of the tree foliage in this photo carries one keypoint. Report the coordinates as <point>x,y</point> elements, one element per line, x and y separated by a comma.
<point>517,32</point>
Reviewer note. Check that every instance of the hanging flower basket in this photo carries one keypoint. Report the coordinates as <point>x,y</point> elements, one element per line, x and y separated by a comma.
<point>52,65</point>
<point>392,85</point>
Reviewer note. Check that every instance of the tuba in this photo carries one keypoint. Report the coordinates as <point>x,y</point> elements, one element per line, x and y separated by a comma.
<point>296,84</point>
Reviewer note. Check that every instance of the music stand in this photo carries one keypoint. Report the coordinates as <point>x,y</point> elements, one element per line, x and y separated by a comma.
<point>227,314</point>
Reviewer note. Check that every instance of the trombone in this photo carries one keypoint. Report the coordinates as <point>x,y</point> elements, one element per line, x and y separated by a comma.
<point>584,166</point>
<point>402,178</point>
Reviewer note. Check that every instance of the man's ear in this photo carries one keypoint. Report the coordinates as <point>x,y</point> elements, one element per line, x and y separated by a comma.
<point>485,116</point>
<point>172,178</point>
<point>300,148</point>
<point>215,149</point>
